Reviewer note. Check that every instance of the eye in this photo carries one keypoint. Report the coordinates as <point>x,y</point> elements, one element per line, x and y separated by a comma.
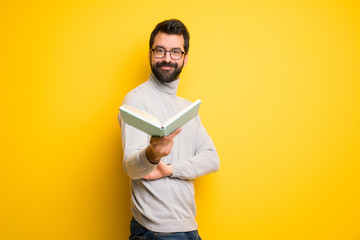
<point>176,51</point>
<point>159,50</point>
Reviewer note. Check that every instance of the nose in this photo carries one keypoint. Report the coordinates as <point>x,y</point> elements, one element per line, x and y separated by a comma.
<point>167,57</point>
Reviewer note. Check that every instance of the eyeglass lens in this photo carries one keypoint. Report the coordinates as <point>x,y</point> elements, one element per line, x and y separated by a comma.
<point>175,54</point>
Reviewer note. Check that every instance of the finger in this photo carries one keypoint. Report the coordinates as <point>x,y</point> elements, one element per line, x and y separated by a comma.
<point>175,133</point>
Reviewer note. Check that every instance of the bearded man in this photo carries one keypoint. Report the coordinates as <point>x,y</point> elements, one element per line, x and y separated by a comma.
<point>163,169</point>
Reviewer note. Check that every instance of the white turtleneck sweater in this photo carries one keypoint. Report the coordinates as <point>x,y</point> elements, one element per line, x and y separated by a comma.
<point>166,204</point>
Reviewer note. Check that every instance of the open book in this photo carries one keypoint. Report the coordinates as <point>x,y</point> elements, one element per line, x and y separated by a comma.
<point>151,125</point>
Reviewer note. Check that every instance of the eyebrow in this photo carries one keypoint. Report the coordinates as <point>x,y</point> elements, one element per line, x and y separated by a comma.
<point>159,46</point>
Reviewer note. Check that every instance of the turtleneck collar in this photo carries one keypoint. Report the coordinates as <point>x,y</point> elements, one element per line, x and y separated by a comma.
<point>169,88</point>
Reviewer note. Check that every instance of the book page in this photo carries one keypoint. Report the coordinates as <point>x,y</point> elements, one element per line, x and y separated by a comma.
<point>142,115</point>
<point>182,117</point>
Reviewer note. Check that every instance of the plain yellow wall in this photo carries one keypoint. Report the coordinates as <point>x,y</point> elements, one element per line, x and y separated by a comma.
<point>280,87</point>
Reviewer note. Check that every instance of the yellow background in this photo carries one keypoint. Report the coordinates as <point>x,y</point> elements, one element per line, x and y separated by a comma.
<point>280,87</point>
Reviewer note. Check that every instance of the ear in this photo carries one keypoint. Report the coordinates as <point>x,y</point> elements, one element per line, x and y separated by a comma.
<point>186,58</point>
<point>149,55</point>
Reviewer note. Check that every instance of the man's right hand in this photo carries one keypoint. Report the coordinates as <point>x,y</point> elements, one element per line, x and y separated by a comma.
<point>160,147</point>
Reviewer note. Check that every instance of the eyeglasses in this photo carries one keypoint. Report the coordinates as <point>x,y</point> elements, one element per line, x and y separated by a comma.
<point>175,54</point>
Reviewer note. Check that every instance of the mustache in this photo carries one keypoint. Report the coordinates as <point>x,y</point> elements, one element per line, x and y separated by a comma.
<point>166,64</point>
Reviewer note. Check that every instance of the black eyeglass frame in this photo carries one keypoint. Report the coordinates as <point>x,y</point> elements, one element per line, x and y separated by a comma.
<point>152,50</point>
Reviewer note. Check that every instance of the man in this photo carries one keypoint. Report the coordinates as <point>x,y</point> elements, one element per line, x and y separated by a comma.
<point>163,169</point>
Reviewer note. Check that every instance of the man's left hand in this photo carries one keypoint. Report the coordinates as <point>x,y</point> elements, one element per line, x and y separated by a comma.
<point>161,170</point>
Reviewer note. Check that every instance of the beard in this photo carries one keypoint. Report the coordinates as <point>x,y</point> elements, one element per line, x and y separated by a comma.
<point>166,75</point>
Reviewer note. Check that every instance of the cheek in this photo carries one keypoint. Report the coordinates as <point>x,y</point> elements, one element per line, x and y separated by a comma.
<point>152,61</point>
<point>181,63</point>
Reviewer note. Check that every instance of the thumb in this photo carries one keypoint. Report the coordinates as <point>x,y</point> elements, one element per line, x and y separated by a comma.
<point>175,133</point>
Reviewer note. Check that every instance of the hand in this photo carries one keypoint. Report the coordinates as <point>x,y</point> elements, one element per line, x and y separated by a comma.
<point>160,147</point>
<point>161,170</point>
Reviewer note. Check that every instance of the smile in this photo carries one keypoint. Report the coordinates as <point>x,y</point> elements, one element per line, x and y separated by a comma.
<point>166,68</point>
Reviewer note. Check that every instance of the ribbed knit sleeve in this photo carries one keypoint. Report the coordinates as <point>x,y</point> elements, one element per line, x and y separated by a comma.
<point>205,160</point>
<point>134,141</point>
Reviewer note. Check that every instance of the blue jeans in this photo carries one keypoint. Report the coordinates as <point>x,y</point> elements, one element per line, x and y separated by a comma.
<point>138,232</point>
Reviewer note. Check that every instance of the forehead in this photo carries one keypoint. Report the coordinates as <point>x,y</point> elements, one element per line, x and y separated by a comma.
<point>169,41</point>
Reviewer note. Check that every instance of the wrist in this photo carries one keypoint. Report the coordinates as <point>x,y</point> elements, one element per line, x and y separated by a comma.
<point>151,156</point>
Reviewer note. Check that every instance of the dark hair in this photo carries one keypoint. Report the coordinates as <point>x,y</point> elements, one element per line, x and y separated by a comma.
<point>172,26</point>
